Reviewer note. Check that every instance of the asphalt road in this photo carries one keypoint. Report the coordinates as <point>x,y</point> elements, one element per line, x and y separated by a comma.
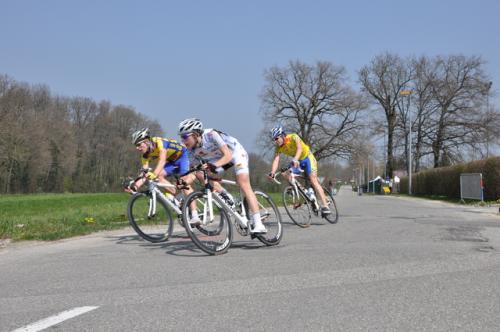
<point>390,264</point>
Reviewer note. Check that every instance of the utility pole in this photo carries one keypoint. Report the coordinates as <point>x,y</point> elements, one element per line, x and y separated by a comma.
<point>407,93</point>
<point>385,158</point>
<point>368,171</point>
<point>360,190</point>
<point>488,88</point>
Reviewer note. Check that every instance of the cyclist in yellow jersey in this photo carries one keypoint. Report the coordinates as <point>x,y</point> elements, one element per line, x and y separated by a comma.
<point>171,157</point>
<point>293,146</point>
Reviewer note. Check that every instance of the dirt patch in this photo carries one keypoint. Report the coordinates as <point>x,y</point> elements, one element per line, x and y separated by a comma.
<point>466,234</point>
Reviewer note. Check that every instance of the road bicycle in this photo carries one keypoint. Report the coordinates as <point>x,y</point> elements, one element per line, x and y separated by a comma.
<point>150,211</point>
<point>300,200</point>
<point>219,213</point>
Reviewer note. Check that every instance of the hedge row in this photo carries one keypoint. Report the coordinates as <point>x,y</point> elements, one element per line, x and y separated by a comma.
<point>445,181</point>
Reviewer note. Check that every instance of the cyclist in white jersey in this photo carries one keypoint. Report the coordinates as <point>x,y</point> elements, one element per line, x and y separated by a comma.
<point>210,150</point>
<point>221,151</point>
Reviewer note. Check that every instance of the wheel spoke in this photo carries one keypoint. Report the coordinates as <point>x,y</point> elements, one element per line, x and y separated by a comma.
<point>271,218</point>
<point>153,226</point>
<point>213,237</point>
<point>296,207</point>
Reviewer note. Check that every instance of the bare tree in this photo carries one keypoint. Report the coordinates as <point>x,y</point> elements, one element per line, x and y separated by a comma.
<point>52,143</point>
<point>383,80</point>
<point>425,107</point>
<point>316,102</point>
<point>458,89</point>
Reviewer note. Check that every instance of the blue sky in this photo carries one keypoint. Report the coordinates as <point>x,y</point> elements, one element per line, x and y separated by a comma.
<point>177,59</point>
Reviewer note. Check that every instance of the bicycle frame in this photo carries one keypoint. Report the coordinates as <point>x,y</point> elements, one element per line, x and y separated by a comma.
<point>213,196</point>
<point>156,193</point>
<point>297,188</point>
<point>220,202</point>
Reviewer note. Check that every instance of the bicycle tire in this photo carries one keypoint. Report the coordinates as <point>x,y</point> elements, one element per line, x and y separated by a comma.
<point>213,238</point>
<point>155,229</point>
<point>332,218</point>
<point>297,207</point>
<point>271,218</point>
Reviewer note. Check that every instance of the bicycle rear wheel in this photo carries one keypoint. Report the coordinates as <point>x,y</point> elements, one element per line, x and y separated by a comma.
<point>153,226</point>
<point>332,218</point>
<point>213,237</point>
<point>297,207</point>
<point>271,218</point>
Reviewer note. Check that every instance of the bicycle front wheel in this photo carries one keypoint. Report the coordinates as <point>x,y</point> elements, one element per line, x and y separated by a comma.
<point>271,218</point>
<point>150,223</point>
<point>214,235</point>
<point>297,207</point>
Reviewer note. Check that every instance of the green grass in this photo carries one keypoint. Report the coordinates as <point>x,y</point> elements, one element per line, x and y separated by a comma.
<point>277,198</point>
<point>57,216</point>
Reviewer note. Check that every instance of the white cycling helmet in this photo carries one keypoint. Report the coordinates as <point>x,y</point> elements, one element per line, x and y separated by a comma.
<point>277,131</point>
<point>190,125</point>
<point>140,135</point>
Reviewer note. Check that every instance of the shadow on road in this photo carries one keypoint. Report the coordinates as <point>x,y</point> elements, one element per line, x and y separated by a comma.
<point>181,244</point>
<point>314,222</point>
<point>177,245</point>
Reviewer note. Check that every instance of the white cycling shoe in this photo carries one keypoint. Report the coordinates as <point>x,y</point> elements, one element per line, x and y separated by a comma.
<point>258,228</point>
<point>195,221</point>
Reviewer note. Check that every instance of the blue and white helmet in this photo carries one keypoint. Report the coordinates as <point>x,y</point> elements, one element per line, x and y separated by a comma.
<point>190,125</point>
<point>277,131</point>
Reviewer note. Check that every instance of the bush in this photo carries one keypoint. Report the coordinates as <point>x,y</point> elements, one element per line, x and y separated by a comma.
<point>445,181</point>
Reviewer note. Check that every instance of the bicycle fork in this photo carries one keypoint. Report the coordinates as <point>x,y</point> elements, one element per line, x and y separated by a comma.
<point>152,205</point>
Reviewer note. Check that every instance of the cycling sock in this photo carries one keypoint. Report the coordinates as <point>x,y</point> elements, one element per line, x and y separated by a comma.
<point>194,214</point>
<point>256,218</point>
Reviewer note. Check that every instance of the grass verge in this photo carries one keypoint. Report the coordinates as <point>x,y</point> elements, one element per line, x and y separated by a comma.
<point>57,216</point>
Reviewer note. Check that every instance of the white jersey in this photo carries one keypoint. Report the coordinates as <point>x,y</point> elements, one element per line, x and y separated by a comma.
<point>210,149</point>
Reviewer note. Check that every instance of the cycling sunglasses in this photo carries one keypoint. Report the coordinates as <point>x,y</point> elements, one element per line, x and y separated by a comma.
<point>185,136</point>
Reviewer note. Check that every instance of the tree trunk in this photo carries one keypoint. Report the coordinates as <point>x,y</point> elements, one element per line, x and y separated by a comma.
<point>391,120</point>
<point>417,155</point>
<point>436,150</point>
<point>9,177</point>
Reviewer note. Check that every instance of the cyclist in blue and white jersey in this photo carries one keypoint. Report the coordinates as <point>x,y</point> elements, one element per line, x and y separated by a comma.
<point>220,152</point>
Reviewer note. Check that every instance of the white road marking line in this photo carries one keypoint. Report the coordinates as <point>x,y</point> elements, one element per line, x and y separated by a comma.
<point>56,319</point>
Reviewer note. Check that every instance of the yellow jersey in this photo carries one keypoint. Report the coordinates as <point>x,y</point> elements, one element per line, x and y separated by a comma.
<point>290,147</point>
<point>174,150</point>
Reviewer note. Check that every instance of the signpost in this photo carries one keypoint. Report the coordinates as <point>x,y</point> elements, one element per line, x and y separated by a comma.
<point>471,186</point>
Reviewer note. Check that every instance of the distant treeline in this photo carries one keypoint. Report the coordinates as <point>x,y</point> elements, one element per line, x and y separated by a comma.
<point>51,143</point>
